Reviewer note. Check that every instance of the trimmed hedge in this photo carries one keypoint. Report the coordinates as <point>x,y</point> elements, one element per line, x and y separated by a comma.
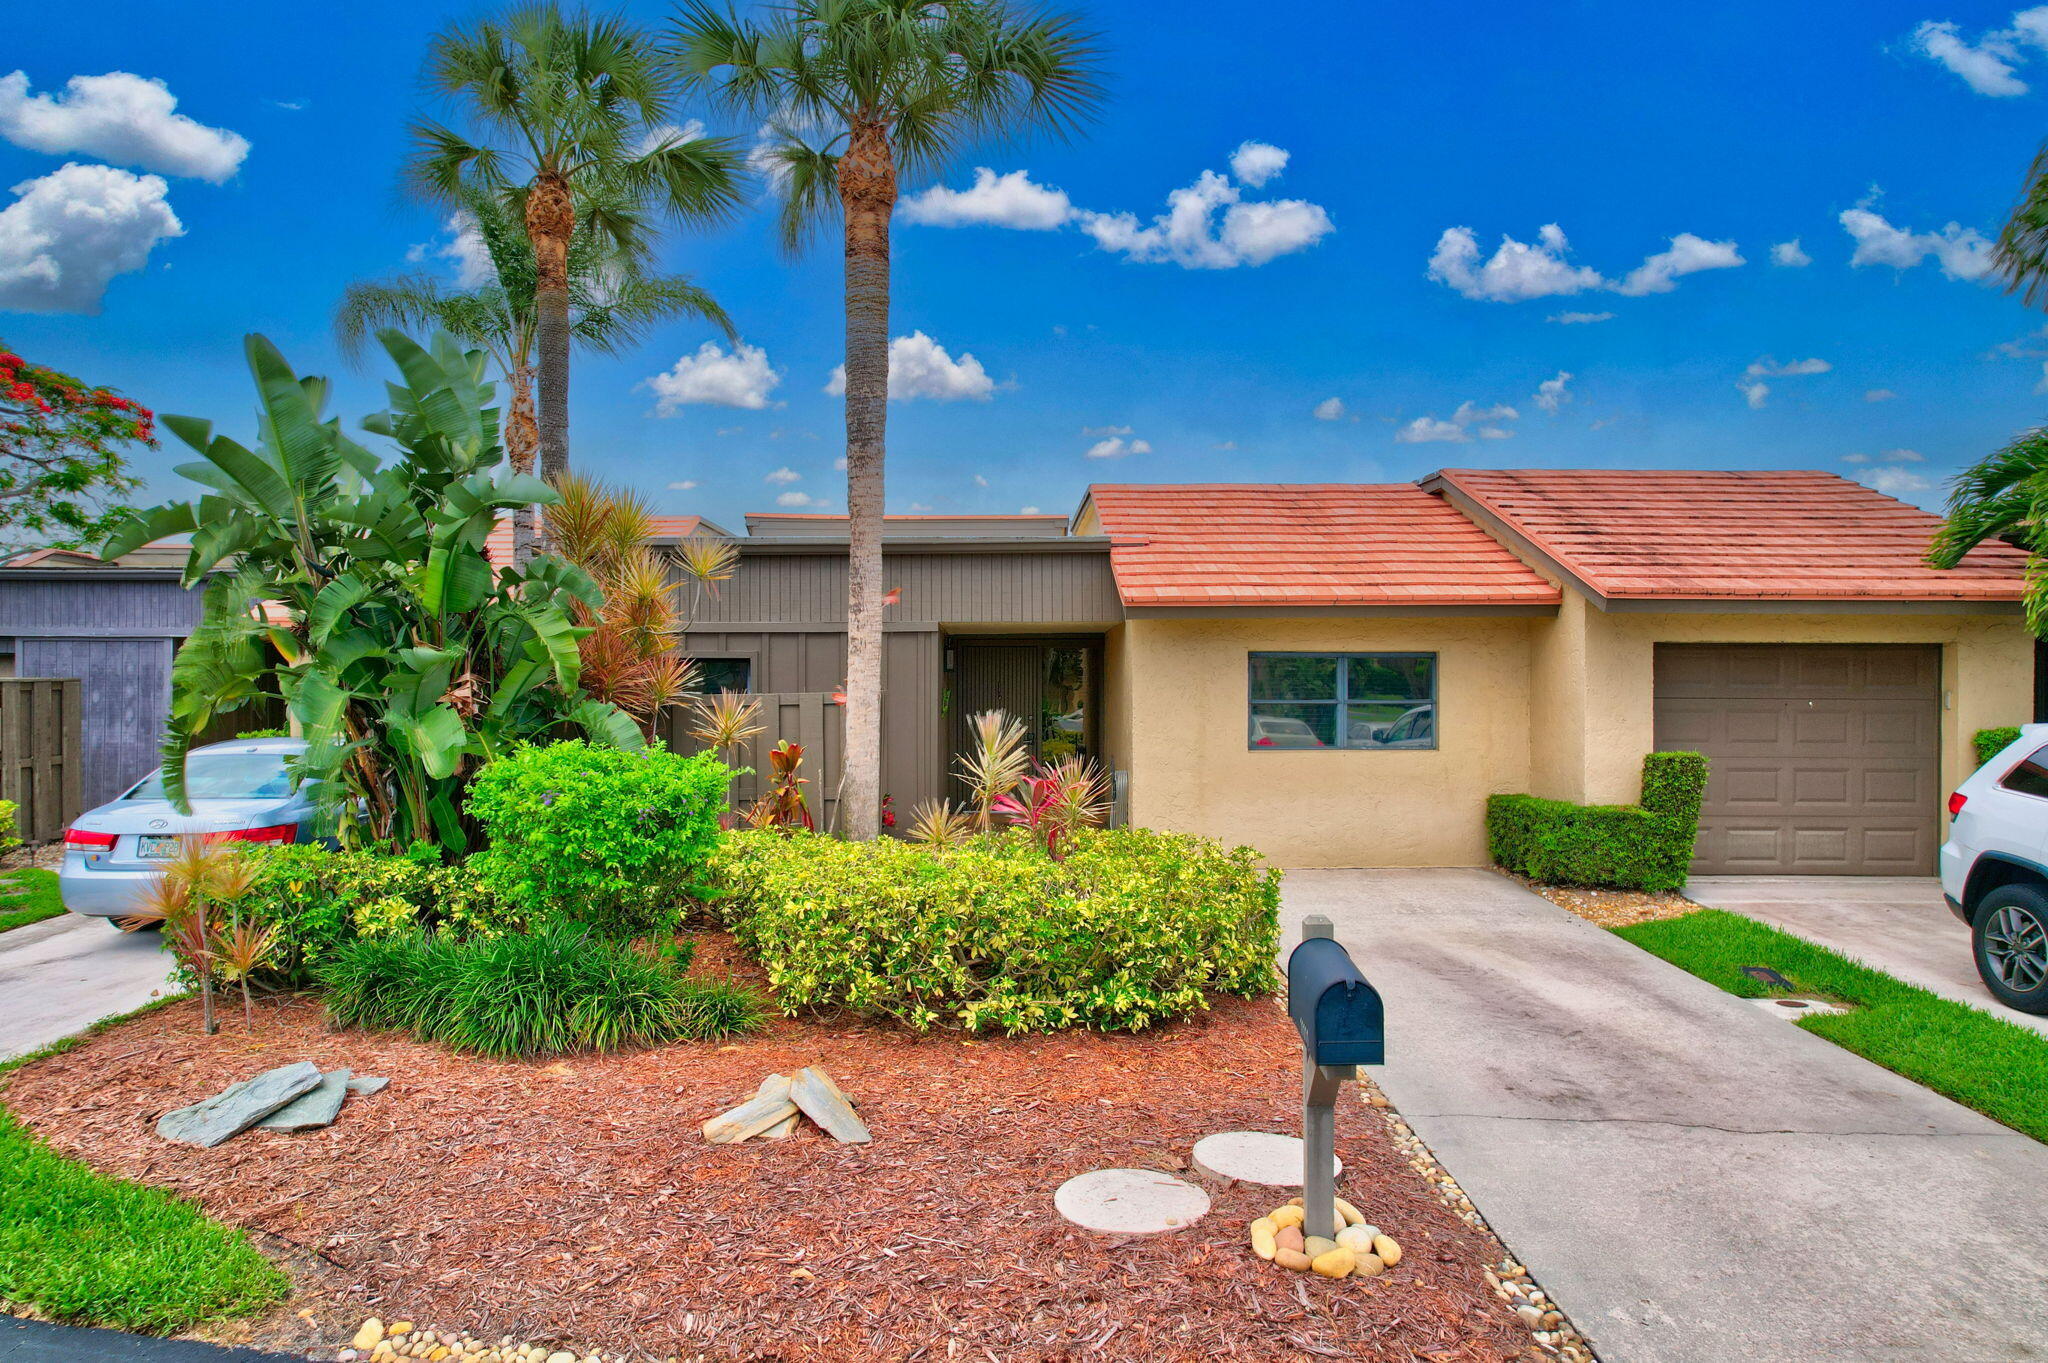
<point>1990,742</point>
<point>1616,847</point>
<point>1132,927</point>
<point>610,839</point>
<point>318,901</point>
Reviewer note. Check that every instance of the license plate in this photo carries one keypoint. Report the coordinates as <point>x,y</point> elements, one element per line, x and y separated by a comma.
<point>156,847</point>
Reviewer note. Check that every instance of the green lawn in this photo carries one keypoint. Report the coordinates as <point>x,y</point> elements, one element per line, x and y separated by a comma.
<point>28,895</point>
<point>1983,1062</point>
<point>86,1249</point>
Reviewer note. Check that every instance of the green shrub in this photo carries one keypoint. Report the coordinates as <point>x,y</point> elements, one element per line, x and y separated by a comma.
<point>1616,847</point>
<point>10,826</point>
<point>78,1246</point>
<point>546,992</point>
<point>611,839</point>
<point>1990,742</point>
<point>1133,926</point>
<point>319,900</point>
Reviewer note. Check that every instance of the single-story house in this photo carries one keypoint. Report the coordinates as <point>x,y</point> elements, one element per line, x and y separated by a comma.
<point>1340,674</point>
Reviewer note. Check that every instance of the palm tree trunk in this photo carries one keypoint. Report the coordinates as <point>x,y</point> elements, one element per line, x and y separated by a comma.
<point>522,443</point>
<point>867,192</point>
<point>550,219</point>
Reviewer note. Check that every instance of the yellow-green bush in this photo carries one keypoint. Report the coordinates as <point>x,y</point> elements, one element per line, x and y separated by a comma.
<point>316,900</point>
<point>10,829</point>
<point>1130,928</point>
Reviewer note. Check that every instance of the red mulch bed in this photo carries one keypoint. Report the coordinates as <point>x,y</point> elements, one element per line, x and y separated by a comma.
<point>575,1201</point>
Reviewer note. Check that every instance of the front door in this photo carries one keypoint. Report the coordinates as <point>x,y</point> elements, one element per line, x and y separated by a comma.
<point>1050,685</point>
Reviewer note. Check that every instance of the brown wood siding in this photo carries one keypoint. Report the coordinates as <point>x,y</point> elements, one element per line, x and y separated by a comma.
<point>988,588</point>
<point>41,755</point>
<point>1824,759</point>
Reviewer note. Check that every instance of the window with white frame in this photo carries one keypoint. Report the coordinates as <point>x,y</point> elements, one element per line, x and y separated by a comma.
<point>1342,700</point>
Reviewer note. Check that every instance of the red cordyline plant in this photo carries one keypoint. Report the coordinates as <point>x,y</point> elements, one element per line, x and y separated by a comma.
<point>783,806</point>
<point>1055,801</point>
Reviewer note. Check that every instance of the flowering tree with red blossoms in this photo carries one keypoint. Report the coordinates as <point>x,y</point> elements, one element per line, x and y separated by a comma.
<point>62,470</point>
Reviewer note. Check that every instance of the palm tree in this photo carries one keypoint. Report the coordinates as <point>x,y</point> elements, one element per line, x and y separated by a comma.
<point>2021,253</point>
<point>857,92</point>
<point>2003,496</point>
<point>575,136</point>
<point>612,305</point>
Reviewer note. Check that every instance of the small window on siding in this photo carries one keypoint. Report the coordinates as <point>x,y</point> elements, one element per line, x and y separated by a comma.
<point>724,674</point>
<point>1342,700</point>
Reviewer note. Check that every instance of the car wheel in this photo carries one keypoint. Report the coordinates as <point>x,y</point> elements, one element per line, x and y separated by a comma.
<point>2011,941</point>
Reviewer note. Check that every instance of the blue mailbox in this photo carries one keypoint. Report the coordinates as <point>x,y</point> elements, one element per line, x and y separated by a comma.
<point>1337,1012</point>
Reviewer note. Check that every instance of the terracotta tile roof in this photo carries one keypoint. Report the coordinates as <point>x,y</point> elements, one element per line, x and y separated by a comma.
<point>1239,544</point>
<point>498,544</point>
<point>1791,535</point>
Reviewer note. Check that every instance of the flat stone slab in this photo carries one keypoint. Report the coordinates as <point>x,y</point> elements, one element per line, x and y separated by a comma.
<point>363,1085</point>
<point>1265,1157</point>
<point>317,1107</point>
<point>238,1107</point>
<point>1130,1202</point>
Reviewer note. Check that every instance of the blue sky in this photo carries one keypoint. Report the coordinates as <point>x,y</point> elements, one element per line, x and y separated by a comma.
<point>1662,143</point>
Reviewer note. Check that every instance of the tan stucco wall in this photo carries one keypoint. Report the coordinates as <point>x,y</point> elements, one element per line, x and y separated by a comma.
<point>1563,707</point>
<point>1192,771</point>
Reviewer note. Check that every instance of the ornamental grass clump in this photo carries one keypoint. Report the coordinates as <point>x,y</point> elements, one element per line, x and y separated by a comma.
<point>548,992</point>
<point>1130,928</point>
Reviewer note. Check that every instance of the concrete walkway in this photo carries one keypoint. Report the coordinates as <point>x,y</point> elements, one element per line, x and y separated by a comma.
<point>1898,924</point>
<point>62,975</point>
<point>1696,1181</point>
<point>33,1341</point>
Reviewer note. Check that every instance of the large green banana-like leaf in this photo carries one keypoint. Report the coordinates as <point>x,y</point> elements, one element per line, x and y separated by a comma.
<point>153,523</point>
<point>607,723</point>
<point>457,580</point>
<point>554,639</point>
<point>421,659</point>
<point>332,605</point>
<point>252,479</point>
<point>434,735</point>
<point>548,578</point>
<point>290,418</point>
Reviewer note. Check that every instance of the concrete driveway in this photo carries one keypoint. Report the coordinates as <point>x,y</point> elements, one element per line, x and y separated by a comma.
<point>61,975</point>
<point>1899,924</point>
<point>1693,1179</point>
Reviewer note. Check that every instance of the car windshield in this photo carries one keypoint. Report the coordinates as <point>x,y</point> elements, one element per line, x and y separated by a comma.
<point>225,776</point>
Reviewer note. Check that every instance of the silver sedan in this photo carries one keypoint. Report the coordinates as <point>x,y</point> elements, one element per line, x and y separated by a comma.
<point>240,791</point>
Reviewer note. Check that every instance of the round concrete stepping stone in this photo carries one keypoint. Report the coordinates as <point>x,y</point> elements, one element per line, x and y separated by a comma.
<point>1130,1202</point>
<point>1254,1157</point>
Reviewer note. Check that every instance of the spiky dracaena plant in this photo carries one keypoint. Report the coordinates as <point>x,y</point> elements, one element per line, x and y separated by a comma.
<point>1058,800</point>
<point>998,756</point>
<point>939,824</point>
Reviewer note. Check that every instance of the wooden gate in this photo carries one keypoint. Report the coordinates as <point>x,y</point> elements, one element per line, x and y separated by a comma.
<point>41,754</point>
<point>806,718</point>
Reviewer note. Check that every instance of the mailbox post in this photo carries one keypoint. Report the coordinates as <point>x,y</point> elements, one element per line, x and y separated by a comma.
<point>1343,1025</point>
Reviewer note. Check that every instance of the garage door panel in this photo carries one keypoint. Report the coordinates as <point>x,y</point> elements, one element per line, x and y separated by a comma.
<point>1823,759</point>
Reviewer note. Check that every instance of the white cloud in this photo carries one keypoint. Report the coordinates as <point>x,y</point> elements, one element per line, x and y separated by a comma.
<point>1897,482</point>
<point>1425,429</point>
<point>1116,447</point>
<point>1902,456</point>
<point>1688,255</point>
<point>683,485</point>
<point>715,378</point>
<point>1963,252</point>
<point>1027,511</point>
<point>1987,65</point>
<point>920,506</point>
<point>1254,163</point>
<point>1105,430</point>
<point>2041,384</point>
<point>1468,421</point>
<point>980,480</point>
<point>919,367</point>
<point>1579,319</point>
<point>1330,409</point>
<point>463,244</point>
<point>1857,458</point>
<point>1521,270</point>
<point>663,133</point>
<point>992,201</point>
<point>128,119</point>
<point>1225,445</point>
<point>1790,254</point>
<point>1878,395</point>
<point>783,476</point>
<point>1756,392</point>
<point>1552,394</point>
<point>1208,226</point>
<point>68,233</point>
<point>1518,270</point>
<point>798,499</point>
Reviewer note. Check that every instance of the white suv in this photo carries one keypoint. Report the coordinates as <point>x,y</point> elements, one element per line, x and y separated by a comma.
<point>1994,869</point>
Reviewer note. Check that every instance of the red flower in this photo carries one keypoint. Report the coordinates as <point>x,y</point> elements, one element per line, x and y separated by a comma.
<point>22,392</point>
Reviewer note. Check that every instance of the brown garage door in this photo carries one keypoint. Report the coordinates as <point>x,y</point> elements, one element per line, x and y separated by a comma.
<point>1825,758</point>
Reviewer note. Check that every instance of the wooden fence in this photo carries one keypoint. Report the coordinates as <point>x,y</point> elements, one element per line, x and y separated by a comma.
<point>41,754</point>
<point>806,718</point>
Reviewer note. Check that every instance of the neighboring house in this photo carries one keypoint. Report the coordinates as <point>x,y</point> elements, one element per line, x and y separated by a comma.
<point>1340,674</point>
